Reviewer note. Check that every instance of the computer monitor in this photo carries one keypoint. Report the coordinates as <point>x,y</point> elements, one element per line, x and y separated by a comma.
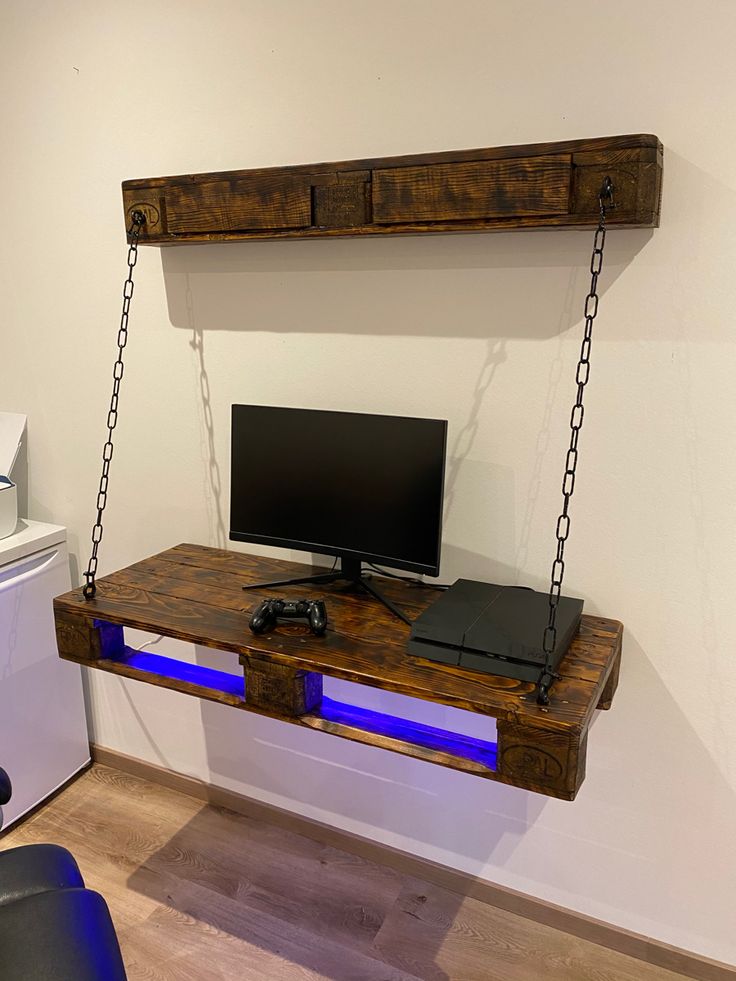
<point>361,487</point>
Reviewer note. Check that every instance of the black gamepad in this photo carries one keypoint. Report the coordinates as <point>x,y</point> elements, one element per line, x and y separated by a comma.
<point>268,612</point>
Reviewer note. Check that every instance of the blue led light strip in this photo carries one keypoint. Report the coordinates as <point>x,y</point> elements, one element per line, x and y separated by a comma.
<point>430,738</point>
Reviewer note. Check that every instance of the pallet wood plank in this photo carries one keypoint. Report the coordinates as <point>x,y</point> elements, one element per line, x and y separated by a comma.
<point>609,689</point>
<point>483,189</point>
<point>165,672</point>
<point>239,204</point>
<point>223,590</point>
<point>409,738</point>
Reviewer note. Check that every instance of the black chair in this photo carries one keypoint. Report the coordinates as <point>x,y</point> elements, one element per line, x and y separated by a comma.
<point>51,927</point>
<point>5,791</point>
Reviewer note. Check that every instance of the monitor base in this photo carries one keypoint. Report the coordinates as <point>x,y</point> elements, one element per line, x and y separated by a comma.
<point>349,570</point>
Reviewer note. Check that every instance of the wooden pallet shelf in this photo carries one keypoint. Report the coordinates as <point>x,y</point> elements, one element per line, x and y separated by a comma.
<point>542,185</point>
<point>194,593</point>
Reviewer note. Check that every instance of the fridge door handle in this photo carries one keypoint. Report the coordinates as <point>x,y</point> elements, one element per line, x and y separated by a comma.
<point>17,574</point>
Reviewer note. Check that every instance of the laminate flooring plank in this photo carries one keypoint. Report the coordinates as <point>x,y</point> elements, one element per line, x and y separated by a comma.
<point>440,936</point>
<point>340,903</point>
<point>342,897</point>
<point>193,925</point>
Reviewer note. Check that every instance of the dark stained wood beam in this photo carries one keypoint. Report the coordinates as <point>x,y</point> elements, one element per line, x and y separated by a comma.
<point>542,185</point>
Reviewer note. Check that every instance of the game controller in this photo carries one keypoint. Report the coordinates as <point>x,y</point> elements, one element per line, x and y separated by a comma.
<point>269,611</point>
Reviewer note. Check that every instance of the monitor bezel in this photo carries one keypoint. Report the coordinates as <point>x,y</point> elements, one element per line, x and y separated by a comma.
<point>320,548</point>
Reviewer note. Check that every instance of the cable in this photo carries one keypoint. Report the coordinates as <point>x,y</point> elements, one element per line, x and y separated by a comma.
<point>408,579</point>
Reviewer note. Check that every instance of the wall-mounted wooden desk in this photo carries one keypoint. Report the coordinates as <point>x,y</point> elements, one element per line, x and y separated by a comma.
<point>194,593</point>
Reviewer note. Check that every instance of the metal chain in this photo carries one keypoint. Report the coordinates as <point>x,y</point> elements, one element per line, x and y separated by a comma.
<point>138,220</point>
<point>582,376</point>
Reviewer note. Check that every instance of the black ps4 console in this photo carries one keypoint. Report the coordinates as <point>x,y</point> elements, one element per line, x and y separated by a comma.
<point>495,629</point>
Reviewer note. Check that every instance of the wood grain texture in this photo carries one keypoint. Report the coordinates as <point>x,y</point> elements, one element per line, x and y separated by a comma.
<point>280,689</point>
<point>611,685</point>
<point>164,672</point>
<point>202,892</point>
<point>238,204</point>
<point>464,939</point>
<point>547,762</point>
<point>493,188</point>
<point>342,202</point>
<point>461,191</point>
<point>409,738</point>
<point>87,640</point>
<point>194,593</point>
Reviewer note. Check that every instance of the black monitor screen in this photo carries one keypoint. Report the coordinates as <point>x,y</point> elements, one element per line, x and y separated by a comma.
<point>339,483</point>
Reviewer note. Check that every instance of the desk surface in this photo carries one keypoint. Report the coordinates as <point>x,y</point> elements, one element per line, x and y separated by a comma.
<point>365,643</point>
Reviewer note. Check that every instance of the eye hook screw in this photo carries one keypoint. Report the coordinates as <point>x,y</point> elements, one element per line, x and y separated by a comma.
<point>605,196</point>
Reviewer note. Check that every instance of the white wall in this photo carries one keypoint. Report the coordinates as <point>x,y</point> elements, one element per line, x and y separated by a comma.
<point>482,330</point>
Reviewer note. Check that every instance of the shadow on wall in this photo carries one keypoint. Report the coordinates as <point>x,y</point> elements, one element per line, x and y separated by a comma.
<point>445,286</point>
<point>213,484</point>
<point>499,525</point>
<point>281,286</point>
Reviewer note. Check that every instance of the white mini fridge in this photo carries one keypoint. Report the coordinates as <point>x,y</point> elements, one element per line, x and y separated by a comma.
<point>43,728</point>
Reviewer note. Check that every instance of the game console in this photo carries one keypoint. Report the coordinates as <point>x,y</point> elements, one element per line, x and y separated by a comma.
<point>494,629</point>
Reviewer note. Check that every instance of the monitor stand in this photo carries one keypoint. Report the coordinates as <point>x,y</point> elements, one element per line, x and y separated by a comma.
<point>349,570</point>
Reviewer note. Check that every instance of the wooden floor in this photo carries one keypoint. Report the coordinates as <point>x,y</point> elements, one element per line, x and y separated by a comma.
<point>199,893</point>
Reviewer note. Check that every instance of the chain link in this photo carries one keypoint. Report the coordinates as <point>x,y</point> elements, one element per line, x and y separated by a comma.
<point>582,376</point>
<point>138,220</point>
